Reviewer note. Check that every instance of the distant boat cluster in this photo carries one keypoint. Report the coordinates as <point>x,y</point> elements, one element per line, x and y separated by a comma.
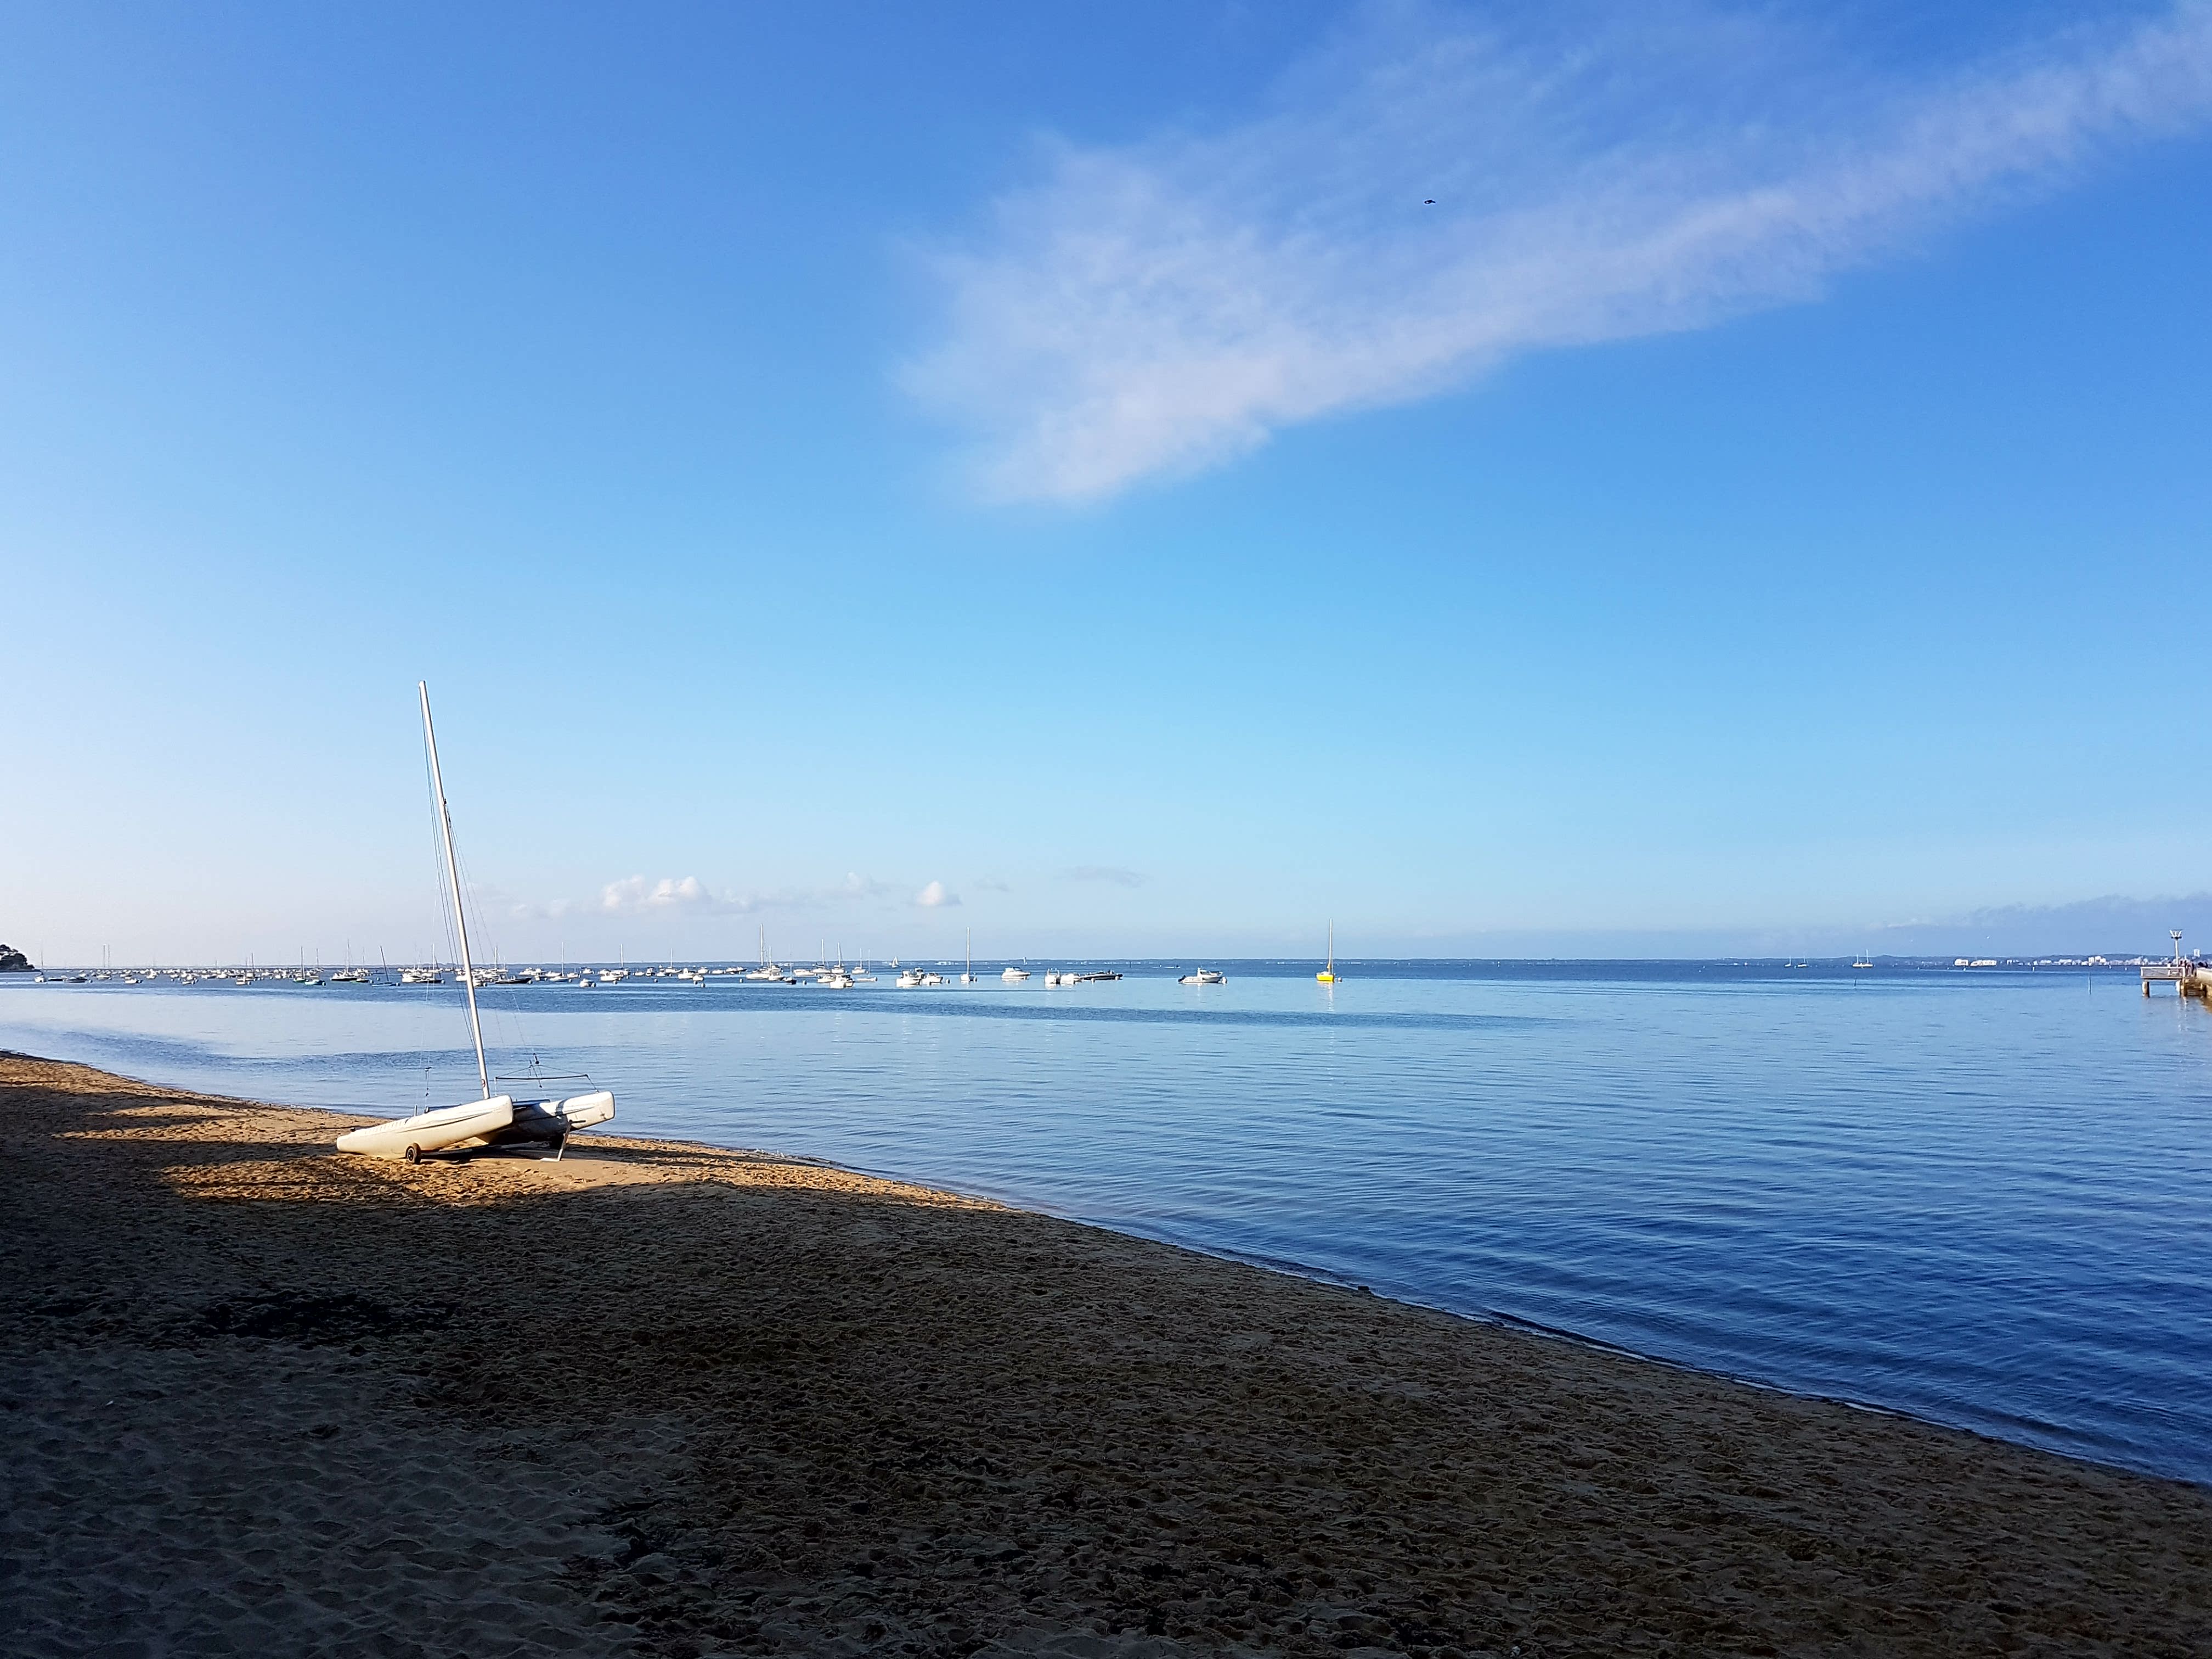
<point>835,977</point>
<point>308,977</point>
<point>2052,962</point>
<point>824,975</point>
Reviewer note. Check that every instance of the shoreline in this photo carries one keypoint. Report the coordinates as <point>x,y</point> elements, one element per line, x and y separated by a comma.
<point>667,1398</point>
<point>1488,1317</point>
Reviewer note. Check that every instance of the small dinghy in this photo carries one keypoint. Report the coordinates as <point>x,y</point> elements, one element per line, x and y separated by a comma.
<point>495,1120</point>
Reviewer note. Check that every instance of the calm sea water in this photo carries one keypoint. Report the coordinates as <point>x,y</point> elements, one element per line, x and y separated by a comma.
<point>1980,1198</point>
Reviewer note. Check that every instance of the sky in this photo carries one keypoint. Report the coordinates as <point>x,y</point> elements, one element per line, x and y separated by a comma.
<point>1680,478</point>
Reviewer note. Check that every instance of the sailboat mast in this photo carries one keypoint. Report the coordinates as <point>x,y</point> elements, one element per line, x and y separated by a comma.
<point>453,874</point>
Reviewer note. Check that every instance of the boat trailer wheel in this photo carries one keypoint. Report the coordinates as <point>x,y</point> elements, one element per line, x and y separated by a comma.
<point>414,1154</point>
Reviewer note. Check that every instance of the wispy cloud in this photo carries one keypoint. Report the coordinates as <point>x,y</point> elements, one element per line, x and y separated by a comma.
<point>934,896</point>
<point>1113,874</point>
<point>1166,306</point>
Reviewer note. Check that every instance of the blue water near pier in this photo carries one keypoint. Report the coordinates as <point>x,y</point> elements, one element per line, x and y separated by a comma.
<point>1982,1198</point>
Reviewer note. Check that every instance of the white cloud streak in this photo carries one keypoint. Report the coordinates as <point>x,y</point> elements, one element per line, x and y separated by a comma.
<point>1166,306</point>
<point>1112,875</point>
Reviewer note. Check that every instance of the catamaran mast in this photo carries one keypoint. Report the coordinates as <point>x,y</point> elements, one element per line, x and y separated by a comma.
<point>453,874</point>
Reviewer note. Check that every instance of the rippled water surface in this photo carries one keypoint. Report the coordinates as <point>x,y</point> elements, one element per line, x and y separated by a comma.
<point>1981,1198</point>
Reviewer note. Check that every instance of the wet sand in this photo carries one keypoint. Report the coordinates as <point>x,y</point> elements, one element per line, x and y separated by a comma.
<point>657,1399</point>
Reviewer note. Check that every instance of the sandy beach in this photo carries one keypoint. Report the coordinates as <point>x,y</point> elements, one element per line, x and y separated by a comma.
<point>261,1396</point>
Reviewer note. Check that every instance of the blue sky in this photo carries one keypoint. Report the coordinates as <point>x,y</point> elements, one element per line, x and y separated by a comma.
<point>1061,468</point>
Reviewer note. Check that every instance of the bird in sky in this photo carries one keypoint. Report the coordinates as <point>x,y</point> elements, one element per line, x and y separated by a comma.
<point>1431,202</point>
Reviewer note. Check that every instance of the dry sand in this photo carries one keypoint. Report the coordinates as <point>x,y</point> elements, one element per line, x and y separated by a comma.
<point>260,1396</point>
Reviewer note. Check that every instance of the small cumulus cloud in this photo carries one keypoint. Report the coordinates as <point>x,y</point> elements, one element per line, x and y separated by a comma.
<point>636,894</point>
<point>497,900</point>
<point>1112,874</point>
<point>689,895</point>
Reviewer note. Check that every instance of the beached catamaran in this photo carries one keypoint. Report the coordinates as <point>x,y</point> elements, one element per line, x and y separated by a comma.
<point>493,1120</point>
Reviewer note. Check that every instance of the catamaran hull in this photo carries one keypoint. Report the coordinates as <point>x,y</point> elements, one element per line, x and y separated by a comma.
<point>551,1121</point>
<point>434,1132</point>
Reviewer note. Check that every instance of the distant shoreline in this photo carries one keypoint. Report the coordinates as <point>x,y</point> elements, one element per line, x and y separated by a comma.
<point>1351,969</point>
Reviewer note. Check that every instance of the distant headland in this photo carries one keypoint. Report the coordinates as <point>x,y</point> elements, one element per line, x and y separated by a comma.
<point>13,961</point>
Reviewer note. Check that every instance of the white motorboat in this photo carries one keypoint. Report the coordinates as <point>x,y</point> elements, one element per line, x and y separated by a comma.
<point>1014,975</point>
<point>493,1120</point>
<point>909,980</point>
<point>1204,976</point>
